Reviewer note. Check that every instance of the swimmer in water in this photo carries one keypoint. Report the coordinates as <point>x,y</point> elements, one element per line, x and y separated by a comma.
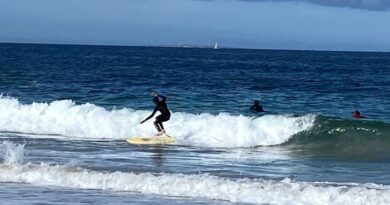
<point>356,114</point>
<point>256,107</point>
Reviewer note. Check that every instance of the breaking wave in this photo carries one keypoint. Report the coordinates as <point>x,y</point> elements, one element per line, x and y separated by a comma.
<point>88,121</point>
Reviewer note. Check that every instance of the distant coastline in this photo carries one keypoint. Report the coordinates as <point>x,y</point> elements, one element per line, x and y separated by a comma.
<point>192,46</point>
<point>186,46</point>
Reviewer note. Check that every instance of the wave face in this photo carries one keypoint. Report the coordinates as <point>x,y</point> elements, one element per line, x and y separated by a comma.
<point>206,186</point>
<point>88,121</point>
<point>344,137</point>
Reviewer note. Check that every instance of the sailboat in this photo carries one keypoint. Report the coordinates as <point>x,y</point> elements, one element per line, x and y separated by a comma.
<point>216,46</point>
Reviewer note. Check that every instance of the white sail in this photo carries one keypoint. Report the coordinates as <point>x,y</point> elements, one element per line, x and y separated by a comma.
<point>216,46</point>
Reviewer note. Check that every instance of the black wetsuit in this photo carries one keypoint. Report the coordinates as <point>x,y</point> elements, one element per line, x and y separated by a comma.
<point>257,108</point>
<point>165,115</point>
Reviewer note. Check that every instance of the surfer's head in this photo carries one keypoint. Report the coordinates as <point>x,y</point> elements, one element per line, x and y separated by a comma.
<point>356,112</point>
<point>256,102</point>
<point>156,100</point>
<point>154,94</point>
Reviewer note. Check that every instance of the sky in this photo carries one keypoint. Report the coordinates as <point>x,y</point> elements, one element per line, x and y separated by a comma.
<point>357,25</point>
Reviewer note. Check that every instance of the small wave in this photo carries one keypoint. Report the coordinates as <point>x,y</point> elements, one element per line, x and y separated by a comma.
<point>344,137</point>
<point>285,192</point>
<point>88,121</point>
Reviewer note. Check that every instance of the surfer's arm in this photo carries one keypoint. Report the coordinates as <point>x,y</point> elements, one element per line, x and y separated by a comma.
<point>150,116</point>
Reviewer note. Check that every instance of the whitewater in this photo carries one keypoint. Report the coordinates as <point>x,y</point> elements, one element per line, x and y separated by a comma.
<point>88,121</point>
<point>284,192</point>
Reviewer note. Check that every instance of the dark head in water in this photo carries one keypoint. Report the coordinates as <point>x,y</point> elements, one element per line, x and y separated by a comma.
<point>256,107</point>
<point>356,114</point>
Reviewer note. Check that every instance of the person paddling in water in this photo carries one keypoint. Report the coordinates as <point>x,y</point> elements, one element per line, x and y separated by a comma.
<point>256,107</point>
<point>160,105</point>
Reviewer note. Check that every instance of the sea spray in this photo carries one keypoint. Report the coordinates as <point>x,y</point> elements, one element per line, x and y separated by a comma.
<point>12,154</point>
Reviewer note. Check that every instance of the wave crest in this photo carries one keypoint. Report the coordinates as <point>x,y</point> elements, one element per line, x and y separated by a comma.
<point>88,121</point>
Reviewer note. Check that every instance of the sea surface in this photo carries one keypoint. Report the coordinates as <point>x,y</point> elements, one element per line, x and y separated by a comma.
<point>66,112</point>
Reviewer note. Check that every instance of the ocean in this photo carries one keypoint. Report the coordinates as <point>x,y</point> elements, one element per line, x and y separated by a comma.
<point>67,110</point>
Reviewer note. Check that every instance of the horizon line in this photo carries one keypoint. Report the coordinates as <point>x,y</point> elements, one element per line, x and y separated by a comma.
<point>189,46</point>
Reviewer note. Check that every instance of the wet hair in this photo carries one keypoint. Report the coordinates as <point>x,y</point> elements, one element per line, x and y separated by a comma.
<point>357,112</point>
<point>257,102</point>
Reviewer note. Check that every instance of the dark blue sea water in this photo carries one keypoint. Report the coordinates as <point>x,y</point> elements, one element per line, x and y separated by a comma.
<point>201,80</point>
<point>66,112</point>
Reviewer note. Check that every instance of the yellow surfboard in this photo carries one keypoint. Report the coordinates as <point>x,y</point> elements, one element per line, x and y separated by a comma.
<point>165,139</point>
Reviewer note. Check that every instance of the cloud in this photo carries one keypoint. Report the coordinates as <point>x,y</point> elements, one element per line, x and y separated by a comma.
<point>378,5</point>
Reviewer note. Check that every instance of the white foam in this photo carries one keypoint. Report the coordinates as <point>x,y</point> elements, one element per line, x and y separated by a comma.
<point>285,192</point>
<point>13,154</point>
<point>88,121</point>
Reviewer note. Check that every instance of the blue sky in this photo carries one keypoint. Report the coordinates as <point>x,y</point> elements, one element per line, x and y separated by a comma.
<point>272,24</point>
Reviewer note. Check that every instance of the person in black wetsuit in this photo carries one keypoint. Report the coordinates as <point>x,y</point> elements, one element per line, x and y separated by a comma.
<point>256,107</point>
<point>160,105</point>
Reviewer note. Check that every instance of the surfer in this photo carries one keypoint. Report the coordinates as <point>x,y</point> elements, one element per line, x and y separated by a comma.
<point>256,107</point>
<point>356,114</point>
<point>160,105</point>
